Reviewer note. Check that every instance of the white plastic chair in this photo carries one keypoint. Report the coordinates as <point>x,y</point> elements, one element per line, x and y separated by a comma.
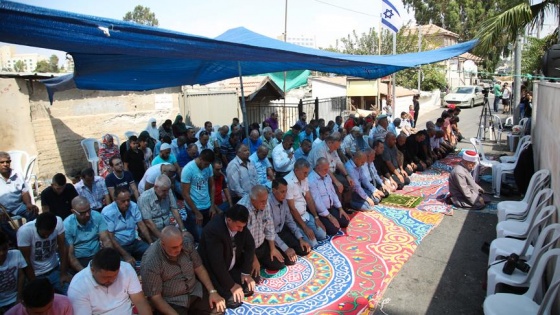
<point>545,241</point>
<point>484,162</point>
<point>515,156</point>
<point>523,125</point>
<point>498,127</point>
<point>128,134</point>
<point>509,122</point>
<point>91,152</point>
<point>528,303</point>
<point>539,181</point>
<point>23,164</point>
<point>503,246</point>
<point>501,169</point>
<point>520,228</point>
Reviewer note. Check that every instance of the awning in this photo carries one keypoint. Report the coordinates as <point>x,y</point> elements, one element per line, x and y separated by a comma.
<point>117,55</point>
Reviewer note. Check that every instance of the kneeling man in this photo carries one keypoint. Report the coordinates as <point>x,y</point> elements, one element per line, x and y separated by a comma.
<point>464,191</point>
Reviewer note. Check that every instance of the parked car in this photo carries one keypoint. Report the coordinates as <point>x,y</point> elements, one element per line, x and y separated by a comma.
<point>464,96</point>
<point>486,83</point>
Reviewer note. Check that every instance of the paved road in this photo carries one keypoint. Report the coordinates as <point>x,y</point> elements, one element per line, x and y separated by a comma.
<point>446,273</point>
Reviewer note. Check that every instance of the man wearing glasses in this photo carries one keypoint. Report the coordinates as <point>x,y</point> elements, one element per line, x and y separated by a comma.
<point>85,229</point>
<point>14,195</point>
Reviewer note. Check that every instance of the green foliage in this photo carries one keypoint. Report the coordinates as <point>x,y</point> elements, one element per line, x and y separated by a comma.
<point>53,64</point>
<point>367,43</point>
<point>533,51</point>
<point>464,17</point>
<point>497,32</point>
<point>142,15</point>
<point>19,66</point>
<point>42,66</point>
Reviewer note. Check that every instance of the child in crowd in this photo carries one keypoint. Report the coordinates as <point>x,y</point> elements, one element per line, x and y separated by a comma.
<point>411,114</point>
<point>134,159</point>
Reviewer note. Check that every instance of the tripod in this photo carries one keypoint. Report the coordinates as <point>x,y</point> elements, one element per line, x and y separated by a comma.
<point>486,121</point>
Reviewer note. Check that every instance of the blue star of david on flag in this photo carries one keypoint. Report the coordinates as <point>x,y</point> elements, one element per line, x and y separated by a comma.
<point>391,17</point>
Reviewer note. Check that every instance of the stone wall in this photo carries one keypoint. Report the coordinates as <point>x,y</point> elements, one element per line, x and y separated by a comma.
<point>54,132</point>
<point>545,130</point>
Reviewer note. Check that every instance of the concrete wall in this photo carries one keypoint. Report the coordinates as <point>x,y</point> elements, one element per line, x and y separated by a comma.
<point>54,132</point>
<point>545,129</point>
<point>323,90</point>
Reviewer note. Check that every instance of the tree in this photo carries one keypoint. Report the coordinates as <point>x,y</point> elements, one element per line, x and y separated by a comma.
<point>142,15</point>
<point>533,51</point>
<point>407,42</point>
<point>42,66</point>
<point>463,17</point>
<point>19,66</point>
<point>53,64</point>
<point>506,26</point>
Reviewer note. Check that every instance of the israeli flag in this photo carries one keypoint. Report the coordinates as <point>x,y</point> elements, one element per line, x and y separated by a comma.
<point>390,16</point>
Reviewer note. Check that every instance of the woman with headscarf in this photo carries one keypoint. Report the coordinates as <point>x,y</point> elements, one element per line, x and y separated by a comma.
<point>165,130</point>
<point>152,129</point>
<point>178,126</point>
<point>107,150</point>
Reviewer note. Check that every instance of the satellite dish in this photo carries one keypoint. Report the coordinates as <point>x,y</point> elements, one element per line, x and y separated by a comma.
<point>470,67</point>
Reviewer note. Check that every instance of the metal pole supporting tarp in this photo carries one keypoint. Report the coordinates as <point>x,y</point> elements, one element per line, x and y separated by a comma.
<point>394,96</point>
<point>243,107</point>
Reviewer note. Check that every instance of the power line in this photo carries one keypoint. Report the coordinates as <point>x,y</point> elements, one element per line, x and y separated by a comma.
<point>343,8</point>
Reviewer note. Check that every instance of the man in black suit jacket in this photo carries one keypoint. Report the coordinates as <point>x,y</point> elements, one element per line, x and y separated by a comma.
<point>227,250</point>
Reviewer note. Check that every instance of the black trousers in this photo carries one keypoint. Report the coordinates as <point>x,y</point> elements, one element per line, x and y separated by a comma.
<point>263,255</point>
<point>329,227</point>
<point>400,183</point>
<point>290,239</point>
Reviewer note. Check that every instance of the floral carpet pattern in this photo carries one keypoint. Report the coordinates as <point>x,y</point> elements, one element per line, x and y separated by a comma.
<point>348,273</point>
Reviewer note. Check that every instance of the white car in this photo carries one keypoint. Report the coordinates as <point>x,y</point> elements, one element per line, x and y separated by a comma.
<point>464,96</point>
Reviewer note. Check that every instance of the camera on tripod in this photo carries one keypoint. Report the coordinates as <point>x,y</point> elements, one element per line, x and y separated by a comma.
<point>512,262</point>
<point>485,92</point>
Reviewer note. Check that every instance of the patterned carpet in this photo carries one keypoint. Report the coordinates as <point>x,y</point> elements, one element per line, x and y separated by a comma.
<point>348,273</point>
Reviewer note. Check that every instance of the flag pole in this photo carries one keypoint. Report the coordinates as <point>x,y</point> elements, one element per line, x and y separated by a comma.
<point>394,105</point>
<point>379,104</point>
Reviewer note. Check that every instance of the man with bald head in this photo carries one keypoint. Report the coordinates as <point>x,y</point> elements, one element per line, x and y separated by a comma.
<point>364,195</point>
<point>261,225</point>
<point>241,174</point>
<point>391,166</point>
<point>157,205</point>
<point>85,230</point>
<point>263,166</point>
<point>327,204</point>
<point>174,279</point>
<point>253,142</point>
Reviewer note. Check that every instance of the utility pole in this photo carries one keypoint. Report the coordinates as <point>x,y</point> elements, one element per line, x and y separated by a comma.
<point>517,79</point>
<point>419,50</point>
<point>285,73</point>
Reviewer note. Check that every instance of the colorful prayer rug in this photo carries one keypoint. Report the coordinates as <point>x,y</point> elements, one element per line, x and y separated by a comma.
<point>402,201</point>
<point>348,273</point>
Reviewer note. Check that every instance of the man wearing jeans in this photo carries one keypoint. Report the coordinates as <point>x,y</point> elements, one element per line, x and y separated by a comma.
<point>197,183</point>
<point>122,217</point>
<point>299,200</point>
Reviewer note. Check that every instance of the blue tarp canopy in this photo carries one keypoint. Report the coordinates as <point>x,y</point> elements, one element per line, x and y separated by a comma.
<point>116,55</point>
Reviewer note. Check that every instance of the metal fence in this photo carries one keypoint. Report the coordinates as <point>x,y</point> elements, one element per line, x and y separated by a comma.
<point>327,109</point>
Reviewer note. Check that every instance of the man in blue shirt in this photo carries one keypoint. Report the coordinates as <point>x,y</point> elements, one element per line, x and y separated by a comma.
<point>122,217</point>
<point>263,166</point>
<point>197,184</point>
<point>303,151</point>
<point>85,229</point>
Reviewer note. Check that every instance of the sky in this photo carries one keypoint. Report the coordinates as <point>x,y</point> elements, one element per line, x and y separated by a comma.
<point>326,20</point>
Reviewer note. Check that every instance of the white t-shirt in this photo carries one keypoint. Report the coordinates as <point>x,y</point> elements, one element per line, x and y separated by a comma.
<point>296,191</point>
<point>43,250</point>
<point>149,177</point>
<point>506,93</point>
<point>88,297</point>
<point>9,276</point>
